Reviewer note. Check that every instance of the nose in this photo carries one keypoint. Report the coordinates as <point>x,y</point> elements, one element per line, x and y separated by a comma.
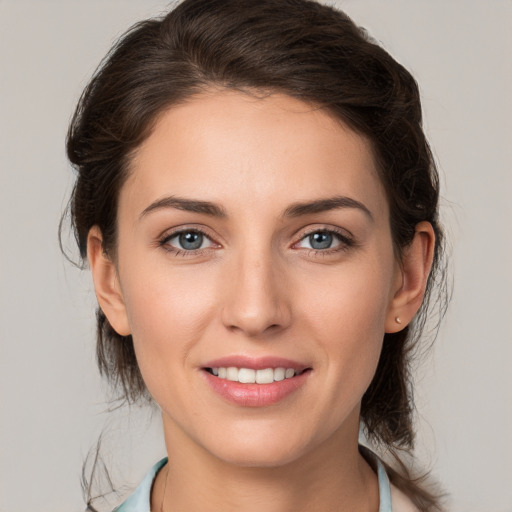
<point>256,301</point>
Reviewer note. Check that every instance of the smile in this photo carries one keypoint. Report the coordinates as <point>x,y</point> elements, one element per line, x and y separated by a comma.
<point>255,382</point>
<point>251,376</point>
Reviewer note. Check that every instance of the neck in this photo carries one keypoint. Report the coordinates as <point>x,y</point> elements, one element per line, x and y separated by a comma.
<point>334,478</point>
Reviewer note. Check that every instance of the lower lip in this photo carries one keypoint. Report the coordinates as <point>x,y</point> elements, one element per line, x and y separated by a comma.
<point>255,395</point>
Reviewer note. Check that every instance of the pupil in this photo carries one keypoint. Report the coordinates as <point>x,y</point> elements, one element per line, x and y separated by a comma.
<point>320,240</point>
<point>191,240</point>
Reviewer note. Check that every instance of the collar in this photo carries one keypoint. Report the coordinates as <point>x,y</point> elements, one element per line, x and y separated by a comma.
<point>139,500</point>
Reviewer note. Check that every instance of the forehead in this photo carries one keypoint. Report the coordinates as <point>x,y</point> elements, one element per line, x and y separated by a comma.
<point>230,147</point>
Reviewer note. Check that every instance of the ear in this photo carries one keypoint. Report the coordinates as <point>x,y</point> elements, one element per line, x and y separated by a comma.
<point>106,283</point>
<point>411,278</point>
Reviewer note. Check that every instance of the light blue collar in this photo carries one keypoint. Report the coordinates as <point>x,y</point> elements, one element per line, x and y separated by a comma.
<point>139,500</point>
<point>384,488</point>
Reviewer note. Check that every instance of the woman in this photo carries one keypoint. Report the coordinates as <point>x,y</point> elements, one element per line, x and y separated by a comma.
<point>258,205</point>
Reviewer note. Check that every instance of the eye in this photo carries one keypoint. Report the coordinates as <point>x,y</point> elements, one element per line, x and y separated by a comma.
<point>323,240</point>
<point>188,240</point>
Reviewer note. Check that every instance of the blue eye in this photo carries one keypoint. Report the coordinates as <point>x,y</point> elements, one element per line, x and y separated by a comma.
<point>323,240</point>
<point>189,240</point>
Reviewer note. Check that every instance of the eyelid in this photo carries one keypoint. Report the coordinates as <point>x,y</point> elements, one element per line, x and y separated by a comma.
<point>345,238</point>
<point>343,233</point>
<point>169,234</point>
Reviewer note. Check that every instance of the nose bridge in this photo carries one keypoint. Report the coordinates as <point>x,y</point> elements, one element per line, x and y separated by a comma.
<point>256,301</point>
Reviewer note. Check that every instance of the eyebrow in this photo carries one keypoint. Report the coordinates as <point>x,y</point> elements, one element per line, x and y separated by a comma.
<point>323,205</point>
<point>295,210</point>
<point>188,205</point>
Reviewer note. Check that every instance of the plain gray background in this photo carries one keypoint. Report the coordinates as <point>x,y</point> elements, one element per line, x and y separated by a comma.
<point>51,400</point>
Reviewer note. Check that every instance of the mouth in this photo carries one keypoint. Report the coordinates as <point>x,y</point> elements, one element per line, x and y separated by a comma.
<point>255,382</point>
<point>253,376</point>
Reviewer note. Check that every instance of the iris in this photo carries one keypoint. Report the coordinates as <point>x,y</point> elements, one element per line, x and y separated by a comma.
<point>321,240</point>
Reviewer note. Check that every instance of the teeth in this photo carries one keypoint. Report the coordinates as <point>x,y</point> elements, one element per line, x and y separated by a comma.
<point>290,372</point>
<point>250,376</point>
<point>247,376</point>
<point>279,374</point>
<point>232,373</point>
<point>265,376</point>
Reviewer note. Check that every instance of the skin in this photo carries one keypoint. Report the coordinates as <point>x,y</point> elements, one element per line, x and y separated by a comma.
<point>257,288</point>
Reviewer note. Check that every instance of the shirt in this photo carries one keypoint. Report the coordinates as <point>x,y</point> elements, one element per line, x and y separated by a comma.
<point>390,498</point>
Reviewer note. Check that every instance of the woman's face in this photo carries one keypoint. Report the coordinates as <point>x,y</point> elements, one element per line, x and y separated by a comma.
<point>254,234</point>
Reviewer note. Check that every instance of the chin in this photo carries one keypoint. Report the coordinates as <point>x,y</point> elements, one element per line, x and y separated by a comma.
<point>259,458</point>
<point>265,450</point>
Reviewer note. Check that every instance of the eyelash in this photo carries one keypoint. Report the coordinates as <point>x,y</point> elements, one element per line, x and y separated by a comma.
<point>163,242</point>
<point>345,242</point>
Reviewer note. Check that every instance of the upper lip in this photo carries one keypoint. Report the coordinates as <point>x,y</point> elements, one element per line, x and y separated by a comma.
<point>255,363</point>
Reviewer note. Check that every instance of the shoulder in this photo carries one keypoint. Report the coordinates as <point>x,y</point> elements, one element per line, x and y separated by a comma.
<point>400,502</point>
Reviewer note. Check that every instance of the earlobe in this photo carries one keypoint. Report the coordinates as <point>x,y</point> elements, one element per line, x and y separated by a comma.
<point>414,271</point>
<point>106,283</point>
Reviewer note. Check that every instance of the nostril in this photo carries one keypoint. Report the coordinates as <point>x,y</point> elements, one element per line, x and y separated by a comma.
<point>255,317</point>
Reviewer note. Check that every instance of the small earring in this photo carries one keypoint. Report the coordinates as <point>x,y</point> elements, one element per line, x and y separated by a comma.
<point>398,320</point>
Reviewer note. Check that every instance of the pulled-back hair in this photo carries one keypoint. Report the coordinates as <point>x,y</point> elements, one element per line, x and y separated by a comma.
<point>300,48</point>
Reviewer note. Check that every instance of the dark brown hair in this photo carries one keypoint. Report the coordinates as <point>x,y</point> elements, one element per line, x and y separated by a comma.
<point>297,47</point>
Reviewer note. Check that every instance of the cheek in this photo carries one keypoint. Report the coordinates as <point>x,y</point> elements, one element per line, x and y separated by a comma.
<point>168,310</point>
<point>347,316</point>
<point>159,296</point>
<point>354,299</point>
